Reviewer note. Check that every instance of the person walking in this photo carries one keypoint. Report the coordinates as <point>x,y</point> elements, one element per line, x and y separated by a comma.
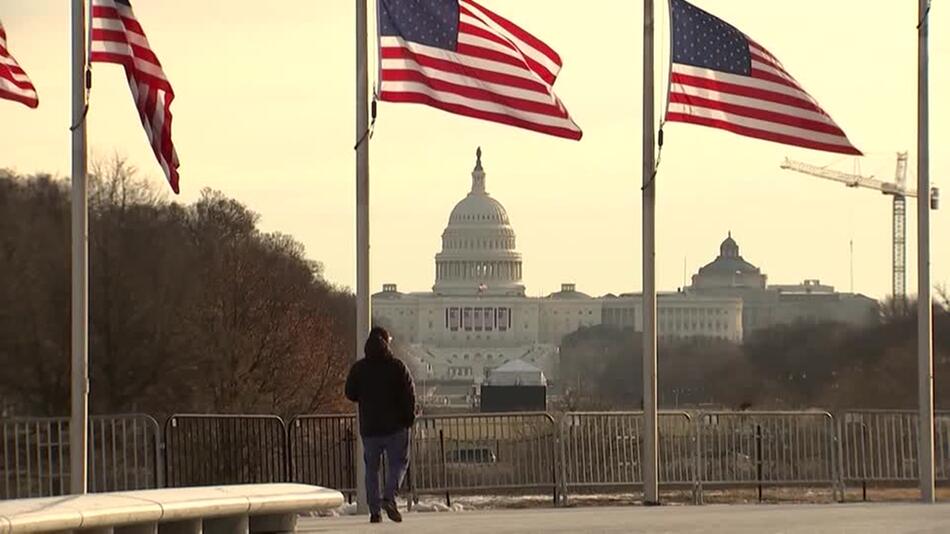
<point>382,386</point>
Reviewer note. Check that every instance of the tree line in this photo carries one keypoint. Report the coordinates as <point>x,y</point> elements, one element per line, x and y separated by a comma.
<point>794,366</point>
<point>192,307</point>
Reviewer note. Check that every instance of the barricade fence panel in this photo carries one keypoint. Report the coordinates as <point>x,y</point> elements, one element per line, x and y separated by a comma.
<point>205,450</point>
<point>880,446</point>
<point>323,451</point>
<point>942,446</point>
<point>124,454</point>
<point>765,448</point>
<point>483,452</point>
<point>602,449</point>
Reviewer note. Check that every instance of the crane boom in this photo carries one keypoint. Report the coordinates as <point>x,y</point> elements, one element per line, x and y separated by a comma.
<point>898,190</point>
<point>850,180</point>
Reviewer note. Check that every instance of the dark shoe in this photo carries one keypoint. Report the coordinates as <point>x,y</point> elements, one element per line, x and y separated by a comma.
<point>375,518</point>
<point>392,511</point>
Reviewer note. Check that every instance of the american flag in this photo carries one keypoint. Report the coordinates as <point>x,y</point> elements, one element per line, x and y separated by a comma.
<point>14,83</point>
<point>457,56</point>
<point>117,37</point>
<point>723,79</point>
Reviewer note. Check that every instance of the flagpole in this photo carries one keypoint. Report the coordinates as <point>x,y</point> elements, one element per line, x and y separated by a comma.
<point>79,418</point>
<point>924,309</point>
<point>363,316</point>
<point>650,483</point>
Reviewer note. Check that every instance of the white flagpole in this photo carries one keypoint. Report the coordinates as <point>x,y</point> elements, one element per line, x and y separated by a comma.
<point>79,419</point>
<point>649,447</point>
<point>924,310</point>
<point>363,316</point>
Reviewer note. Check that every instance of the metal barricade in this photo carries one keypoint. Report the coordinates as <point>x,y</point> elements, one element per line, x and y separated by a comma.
<point>765,449</point>
<point>124,454</point>
<point>479,453</point>
<point>484,452</point>
<point>880,447</point>
<point>204,450</point>
<point>942,446</point>
<point>322,450</point>
<point>602,450</point>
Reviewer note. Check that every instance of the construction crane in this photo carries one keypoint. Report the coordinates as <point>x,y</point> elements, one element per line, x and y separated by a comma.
<point>897,190</point>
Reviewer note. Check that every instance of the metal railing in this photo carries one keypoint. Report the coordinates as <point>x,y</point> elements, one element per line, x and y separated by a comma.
<point>322,451</point>
<point>204,450</point>
<point>602,450</point>
<point>480,453</point>
<point>942,446</point>
<point>124,454</point>
<point>484,452</point>
<point>765,449</point>
<point>880,446</point>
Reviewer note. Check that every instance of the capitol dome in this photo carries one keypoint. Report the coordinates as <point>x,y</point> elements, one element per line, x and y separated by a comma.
<point>479,209</point>
<point>478,246</point>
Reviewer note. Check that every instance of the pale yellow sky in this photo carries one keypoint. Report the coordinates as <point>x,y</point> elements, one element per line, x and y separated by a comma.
<point>264,113</point>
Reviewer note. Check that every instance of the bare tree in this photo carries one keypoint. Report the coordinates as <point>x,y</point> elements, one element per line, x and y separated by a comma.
<point>192,308</point>
<point>943,297</point>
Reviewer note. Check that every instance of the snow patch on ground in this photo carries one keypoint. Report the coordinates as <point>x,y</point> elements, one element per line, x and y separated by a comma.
<point>436,506</point>
<point>348,508</point>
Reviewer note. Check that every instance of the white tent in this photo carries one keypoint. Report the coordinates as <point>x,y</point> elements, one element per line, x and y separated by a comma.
<point>517,373</point>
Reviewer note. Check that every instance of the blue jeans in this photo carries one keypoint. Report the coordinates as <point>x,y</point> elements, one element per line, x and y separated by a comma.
<point>396,447</point>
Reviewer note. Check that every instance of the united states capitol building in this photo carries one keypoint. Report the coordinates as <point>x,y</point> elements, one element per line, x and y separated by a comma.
<point>477,317</point>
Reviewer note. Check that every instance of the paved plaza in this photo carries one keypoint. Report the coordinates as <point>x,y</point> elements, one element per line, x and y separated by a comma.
<point>891,518</point>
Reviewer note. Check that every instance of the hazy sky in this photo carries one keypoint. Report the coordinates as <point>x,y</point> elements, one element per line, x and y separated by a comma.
<point>264,113</point>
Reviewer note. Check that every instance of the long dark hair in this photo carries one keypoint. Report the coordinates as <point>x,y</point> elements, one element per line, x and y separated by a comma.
<point>377,344</point>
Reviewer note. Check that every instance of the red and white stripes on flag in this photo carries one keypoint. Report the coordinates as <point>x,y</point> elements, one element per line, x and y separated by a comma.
<point>117,37</point>
<point>458,56</point>
<point>723,79</point>
<point>14,83</point>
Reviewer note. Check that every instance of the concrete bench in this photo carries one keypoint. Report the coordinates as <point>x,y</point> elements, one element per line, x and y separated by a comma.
<point>258,508</point>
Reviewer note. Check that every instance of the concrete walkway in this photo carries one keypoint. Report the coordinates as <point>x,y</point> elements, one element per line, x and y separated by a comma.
<point>721,519</point>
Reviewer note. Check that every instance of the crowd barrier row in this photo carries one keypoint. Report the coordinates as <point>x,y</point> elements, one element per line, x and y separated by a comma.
<point>561,455</point>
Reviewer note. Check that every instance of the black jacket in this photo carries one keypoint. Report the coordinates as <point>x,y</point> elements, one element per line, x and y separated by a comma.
<point>386,395</point>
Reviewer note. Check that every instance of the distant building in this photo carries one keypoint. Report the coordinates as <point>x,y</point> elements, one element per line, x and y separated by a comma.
<point>477,317</point>
<point>763,305</point>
